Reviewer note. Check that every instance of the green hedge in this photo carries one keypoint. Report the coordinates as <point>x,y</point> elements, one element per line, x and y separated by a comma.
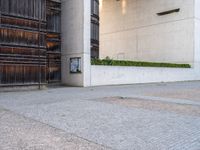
<point>110,62</point>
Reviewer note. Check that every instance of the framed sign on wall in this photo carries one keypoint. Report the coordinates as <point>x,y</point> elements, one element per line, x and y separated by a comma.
<point>75,65</point>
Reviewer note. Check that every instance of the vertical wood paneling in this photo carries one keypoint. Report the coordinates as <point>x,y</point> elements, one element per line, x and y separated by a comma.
<point>29,42</point>
<point>94,28</point>
<point>23,46</point>
<point>53,41</point>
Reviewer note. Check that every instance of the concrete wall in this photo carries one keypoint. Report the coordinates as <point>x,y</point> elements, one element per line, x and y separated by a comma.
<point>110,75</point>
<point>76,40</point>
<point>197,33</point>
<point>146,36</point>
<point>132,30</point>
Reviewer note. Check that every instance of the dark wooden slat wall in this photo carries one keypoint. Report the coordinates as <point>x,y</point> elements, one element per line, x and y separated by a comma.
<point>95,28</point>
<point>53,41</point>
<point>24,49</point>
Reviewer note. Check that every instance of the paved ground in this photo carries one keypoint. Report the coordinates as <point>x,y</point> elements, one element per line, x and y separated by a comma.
<point>20,133</point>
<point>131,117</point>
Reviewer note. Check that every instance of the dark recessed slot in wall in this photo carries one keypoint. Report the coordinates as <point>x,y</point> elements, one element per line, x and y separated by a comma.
<point>168,12</point>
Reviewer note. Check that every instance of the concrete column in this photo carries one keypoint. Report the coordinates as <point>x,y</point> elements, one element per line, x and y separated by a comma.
<point>197,34</point>
<point>75,20</point>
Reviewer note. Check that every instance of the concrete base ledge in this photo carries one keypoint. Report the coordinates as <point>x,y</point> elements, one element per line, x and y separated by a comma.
<point>15,88</point>
<point>114,75</point>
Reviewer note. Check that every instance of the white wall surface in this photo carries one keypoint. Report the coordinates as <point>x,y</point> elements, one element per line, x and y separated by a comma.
<point>145,36</point>
<point>110,75</point>
<point>132,30</point>
<point>197,9</point>
<point>197,33</point>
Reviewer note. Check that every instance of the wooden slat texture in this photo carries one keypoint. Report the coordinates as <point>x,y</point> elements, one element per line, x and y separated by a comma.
<point>29,32</point>
<point>94,28</point>
<point>53,41</point>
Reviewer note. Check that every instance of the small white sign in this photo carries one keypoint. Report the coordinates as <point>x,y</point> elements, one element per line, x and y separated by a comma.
<point>75,65</point>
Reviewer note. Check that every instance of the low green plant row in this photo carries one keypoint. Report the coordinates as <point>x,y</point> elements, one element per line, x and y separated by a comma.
<point>110,62</point>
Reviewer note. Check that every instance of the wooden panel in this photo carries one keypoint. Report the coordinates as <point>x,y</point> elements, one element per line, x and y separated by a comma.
<point>30,51</point>
<point>94,28</point>
<point>53,41</point>
<point>23,42</point>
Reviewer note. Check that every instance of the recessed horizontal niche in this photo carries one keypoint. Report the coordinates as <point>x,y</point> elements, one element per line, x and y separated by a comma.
<point>168,12</point>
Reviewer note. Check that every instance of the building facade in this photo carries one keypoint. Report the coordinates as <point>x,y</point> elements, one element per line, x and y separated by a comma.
<point>53,41</point>
<point>30,50</point>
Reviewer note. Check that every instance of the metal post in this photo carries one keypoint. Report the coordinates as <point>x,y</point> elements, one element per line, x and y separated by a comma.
<point>1,71</point>
<point>39,72</point>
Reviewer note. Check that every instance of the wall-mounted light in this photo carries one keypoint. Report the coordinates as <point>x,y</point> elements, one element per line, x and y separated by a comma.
<point>124,5</point>
<point>100,4</point>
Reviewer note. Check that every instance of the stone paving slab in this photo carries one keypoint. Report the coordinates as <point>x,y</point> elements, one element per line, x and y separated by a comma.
<point>154,123</point>
<point>120,127</point>
<point>179,107</point>
<point>20,133</point>
<point>188,94</point>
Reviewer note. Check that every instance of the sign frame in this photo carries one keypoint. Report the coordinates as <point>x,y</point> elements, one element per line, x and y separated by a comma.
<point>75,65</point>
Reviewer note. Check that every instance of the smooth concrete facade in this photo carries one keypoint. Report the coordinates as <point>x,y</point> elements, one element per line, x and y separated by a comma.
<point>197,33</point>
<point>132,30</point>
<point>108,75</point>
<point>171,38</point>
